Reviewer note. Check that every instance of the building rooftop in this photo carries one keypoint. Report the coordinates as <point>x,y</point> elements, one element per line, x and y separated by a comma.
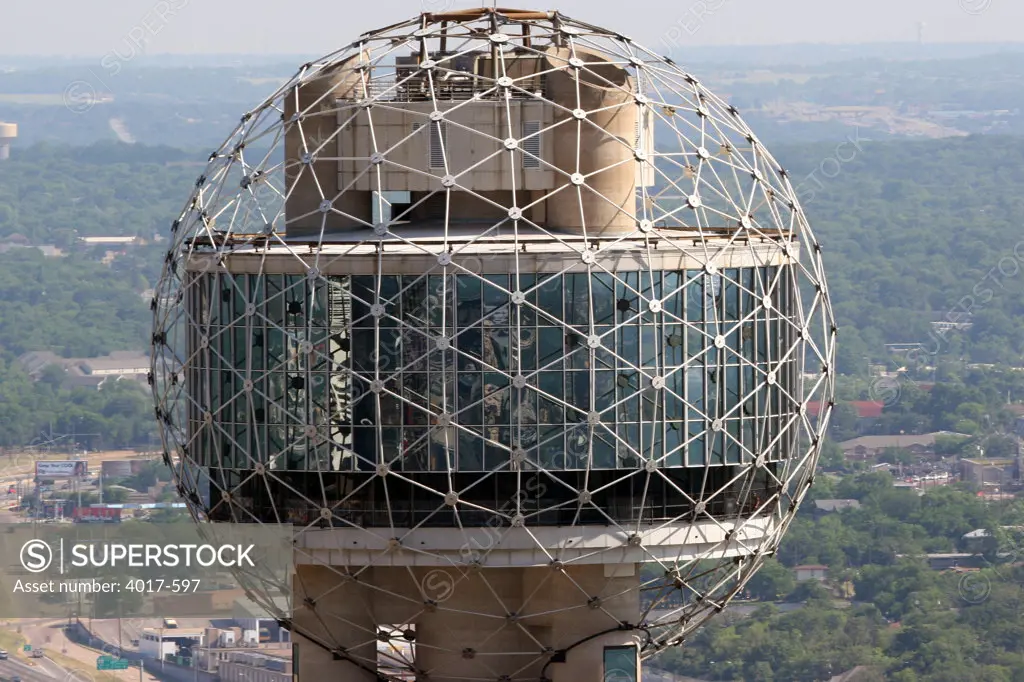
<point>87,371</point>
<point>173,633</point>
<point>836,505</point>
<point>897,441</point>
<point>866,409</point>
<point>994,462</point>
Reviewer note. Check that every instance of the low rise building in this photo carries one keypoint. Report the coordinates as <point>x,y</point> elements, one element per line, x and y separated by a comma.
<point>870,447</point>
<point>251,666</point>
<point>89,372</point>
<point>810,572</point>
<point>994,472</point>
<point>829,506</point>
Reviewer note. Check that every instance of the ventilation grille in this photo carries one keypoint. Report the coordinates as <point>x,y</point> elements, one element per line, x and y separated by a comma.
<point>531,144</point>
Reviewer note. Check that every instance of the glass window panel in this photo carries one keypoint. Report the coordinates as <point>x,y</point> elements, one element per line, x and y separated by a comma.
<point>749,439</point>
<point>731,295</point>
<point>748,296</point>
<point>695,448</point>
<point>549,296</point>
<point>627,285</point>
<point>603,448</point>
<point>674,436</point>
<point>470,302</point>
<point>496,346</point>
<point>629,346</point>
<point>604,394</point>
<point>604,298</point>
<point>577,446</point>
<point>527,312</point>
<point>731,389</point>
<point>577,390</point>
<point>604,357</point>
<point>763,345</point>
<point>674,295</point>
<point>496,402</point>
<point>471,452</point>
<point>494,288</point>
<point>527,342</point>
<point>649,346</point>
<point>364,349</point>
<point>414,300</point>
<point>694,300</point>
<point>650,288</point>
<point>650,403</point>
<point>239,295</point>
<point>653,441</point>
<point>442,447</point>
<point>732,445</point>
<point>552,447</point>
<point>675,394</point>
<point>390,285</point>
<point>577,354</point>
<point>275,300</point>
<point>550,347</point>
<point>577,299</point>
<point>495,456</point>
<point>470,387</point>
<point>717,448</point>
<point>415,449</point>
<point>673,342</point>
<point>550,411</point>
<point>415,388</point>
<point>629,445</point>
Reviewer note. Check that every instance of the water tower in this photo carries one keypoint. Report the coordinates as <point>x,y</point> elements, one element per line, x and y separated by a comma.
<point>516,323</point>
<point>8,133</point>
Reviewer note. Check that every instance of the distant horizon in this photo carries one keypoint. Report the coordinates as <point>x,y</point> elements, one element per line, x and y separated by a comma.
<point>992,46</point>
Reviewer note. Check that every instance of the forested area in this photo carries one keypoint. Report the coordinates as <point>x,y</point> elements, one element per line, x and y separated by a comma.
<point>911,623</point>
<point>117,415</point>
<point>54,194</point>
<point>915,232</point>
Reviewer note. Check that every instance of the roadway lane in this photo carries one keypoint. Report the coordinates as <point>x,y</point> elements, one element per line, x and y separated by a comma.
<point>12,667</point>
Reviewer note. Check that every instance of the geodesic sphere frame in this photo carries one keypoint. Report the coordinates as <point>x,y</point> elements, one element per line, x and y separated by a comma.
<point>601,294</point>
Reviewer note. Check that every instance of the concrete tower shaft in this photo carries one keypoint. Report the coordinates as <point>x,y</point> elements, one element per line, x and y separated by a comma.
<point>8,133</point>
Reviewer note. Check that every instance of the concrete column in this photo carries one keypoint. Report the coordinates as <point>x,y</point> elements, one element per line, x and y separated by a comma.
<point>340,615</point>
<point>483,624</point>
<point>600,148</point>
<point>567,592</point>
<point>472,632</point>
<point>306,187</point>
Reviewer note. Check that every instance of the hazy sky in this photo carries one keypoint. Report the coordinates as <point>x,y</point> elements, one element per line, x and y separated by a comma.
<point>73,27</point>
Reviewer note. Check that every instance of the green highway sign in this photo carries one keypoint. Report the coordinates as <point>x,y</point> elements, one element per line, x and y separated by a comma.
<point>110,663</point>
<point>27,647</point>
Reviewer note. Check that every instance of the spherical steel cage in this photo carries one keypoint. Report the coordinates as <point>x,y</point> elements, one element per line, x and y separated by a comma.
<point>500,250</point>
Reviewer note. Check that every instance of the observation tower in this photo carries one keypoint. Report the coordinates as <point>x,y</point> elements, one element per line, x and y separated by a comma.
<point>516,323</point>
<point>8,133</point>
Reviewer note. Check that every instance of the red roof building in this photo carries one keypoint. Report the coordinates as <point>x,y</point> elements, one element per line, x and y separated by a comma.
<point>866,409</point>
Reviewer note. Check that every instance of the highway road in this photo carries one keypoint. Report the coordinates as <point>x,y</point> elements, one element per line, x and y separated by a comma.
<point>12,667</point>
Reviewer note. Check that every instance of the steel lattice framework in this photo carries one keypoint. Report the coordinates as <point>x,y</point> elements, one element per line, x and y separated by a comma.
<point>308,349</point>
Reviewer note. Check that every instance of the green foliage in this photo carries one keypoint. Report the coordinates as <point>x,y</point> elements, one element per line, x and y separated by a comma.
<point>151,473</point>
<point>908,622</point>
<point>942,247</point>
<point>771,582</point>
<point>120,413</point>
<point>51,194</point>
<point>73,306</point>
